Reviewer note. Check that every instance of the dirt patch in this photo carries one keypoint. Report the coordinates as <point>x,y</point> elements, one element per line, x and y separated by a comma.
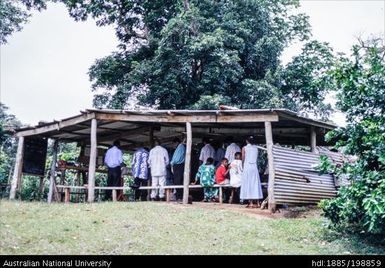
<point>302,212</point>
<point>292,212</point>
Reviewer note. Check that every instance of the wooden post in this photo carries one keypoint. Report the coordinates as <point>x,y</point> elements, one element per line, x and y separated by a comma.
<point>67,195</point>
<point>92,164</point>
<point>114,196</point>
<point>52,184</point>
<point>41,187</point>
<point>270,158</point>
<point>220,195</point>
<point>313,139</point>
<point>168,195</point>
<point>186,175</point>
<point>151,144</point>
<point>17,172</point>
<point>77,183</point>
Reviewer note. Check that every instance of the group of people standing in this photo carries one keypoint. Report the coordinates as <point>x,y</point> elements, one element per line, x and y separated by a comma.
<point>225,165</point>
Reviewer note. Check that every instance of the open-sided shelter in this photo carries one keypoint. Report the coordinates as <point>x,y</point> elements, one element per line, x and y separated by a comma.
<point>291,178</point>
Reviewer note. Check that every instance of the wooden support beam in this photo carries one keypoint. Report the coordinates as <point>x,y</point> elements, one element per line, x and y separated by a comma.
<point>313,139</point>
<point>17,172</point>
<point>41,187</point>
<point>67,195</point>
<point>212,118</point>
<point>114,195</point>
<point>57,125</point>
<point>92,163</point>
<point>52,184</point>
<point>270,158</point>
<point>186,175</point>
<point>151,144</point>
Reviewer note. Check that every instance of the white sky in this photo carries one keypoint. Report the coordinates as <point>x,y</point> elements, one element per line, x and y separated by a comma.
<point>44,67</point>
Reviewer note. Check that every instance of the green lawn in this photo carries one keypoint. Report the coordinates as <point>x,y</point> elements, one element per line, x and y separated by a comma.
<point>160,228</point>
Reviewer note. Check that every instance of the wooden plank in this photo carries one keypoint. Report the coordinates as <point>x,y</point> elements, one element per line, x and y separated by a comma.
<point>52,184</point>
<point>144,187</point>
<point>92,162</point>
<point>187,164</point>
<point>173,118</point>
<point>57,125</point>
<point>17,171</point>
<point>229,130</point>
<point>270,158</point>
<point>306,121</point>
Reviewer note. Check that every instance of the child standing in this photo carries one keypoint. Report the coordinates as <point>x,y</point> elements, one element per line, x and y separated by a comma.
<point>236,170</point>
<point>206,175</point>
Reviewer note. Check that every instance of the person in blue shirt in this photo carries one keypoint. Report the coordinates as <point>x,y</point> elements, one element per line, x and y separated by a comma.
<point>177,166</point>
<point>113,160</point>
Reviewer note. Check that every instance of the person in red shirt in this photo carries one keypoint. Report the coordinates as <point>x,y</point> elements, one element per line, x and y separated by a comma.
<point>221,177</point>
<point>222,171</point>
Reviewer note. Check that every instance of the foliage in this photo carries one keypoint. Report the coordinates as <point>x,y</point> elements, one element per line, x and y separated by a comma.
<point>15,13</point>
<point>361,82</point>
<point>8,145</point>
<point>198,53</point>
<point>307,78</point>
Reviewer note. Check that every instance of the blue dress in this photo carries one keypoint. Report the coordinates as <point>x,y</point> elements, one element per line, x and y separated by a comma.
<point>251,183</point>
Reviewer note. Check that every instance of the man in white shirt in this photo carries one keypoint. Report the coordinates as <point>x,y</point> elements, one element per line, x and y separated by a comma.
<point>231,150</point>
<point>206,152</point>
<point>113,160</point>
<point>158,161</point>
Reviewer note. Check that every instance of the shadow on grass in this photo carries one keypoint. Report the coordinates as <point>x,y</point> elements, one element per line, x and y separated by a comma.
<point>358,243</point>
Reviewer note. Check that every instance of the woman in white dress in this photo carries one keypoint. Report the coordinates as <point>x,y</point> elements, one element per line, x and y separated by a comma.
<point>251,183</point>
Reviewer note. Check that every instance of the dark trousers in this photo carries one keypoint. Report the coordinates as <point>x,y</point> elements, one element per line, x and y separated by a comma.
<point>178,179</point>
<point>113,180</point>
<point>140,194</point>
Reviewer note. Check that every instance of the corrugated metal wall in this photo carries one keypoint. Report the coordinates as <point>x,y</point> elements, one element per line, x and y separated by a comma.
<point>296,182</point>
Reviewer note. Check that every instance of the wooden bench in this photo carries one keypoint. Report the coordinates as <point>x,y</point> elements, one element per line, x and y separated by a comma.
<point>168,189</point>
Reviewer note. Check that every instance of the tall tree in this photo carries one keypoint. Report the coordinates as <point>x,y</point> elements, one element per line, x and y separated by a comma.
<point>196,53</point>
<point>185,54</point>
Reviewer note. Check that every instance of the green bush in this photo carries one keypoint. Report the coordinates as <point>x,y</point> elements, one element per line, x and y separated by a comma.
<point>360,207</point>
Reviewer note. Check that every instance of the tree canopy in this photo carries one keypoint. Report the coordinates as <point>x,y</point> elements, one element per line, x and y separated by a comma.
<point>188,54</point>
<point>15,13</point>
<point>175,54</point>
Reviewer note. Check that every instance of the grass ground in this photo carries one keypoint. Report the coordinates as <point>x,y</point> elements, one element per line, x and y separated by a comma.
<point>160,228</point>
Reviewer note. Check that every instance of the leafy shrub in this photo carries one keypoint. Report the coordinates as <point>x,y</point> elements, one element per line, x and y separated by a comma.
<point>360,207</point>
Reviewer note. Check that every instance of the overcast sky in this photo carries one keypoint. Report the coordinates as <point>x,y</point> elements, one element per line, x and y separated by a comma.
<point>44,67</point>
